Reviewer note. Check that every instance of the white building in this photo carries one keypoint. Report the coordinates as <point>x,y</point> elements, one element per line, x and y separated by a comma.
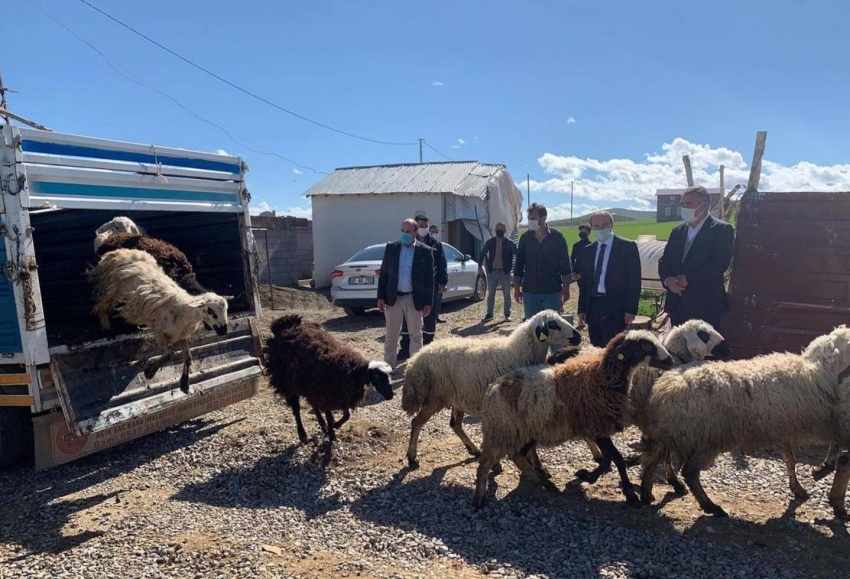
<point>359,206</point>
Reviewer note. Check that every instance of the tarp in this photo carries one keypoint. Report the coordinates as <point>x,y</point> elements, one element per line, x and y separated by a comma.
<point>503,203</point>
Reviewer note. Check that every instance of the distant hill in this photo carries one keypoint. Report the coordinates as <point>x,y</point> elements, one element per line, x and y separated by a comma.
<point>620,215</point>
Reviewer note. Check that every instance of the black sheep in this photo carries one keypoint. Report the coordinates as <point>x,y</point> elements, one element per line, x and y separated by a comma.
<point>304,359</point>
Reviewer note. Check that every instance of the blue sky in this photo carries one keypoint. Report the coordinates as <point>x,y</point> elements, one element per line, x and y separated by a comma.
<point>608,94</point>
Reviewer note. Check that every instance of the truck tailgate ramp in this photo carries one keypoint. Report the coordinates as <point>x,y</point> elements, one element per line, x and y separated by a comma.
<point>102,384</point>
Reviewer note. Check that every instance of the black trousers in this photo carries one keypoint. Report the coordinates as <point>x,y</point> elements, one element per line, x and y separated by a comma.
<point>605,319</point>
<point>429,325</point>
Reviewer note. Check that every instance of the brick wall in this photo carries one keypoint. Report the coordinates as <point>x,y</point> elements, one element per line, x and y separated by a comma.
<point>290,248</point>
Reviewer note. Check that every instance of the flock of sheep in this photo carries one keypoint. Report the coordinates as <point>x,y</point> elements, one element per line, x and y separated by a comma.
<point>688,398</point>
<point>690,401</point>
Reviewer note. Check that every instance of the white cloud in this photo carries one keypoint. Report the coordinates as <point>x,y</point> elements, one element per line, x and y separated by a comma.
<point>570,120</point>
<point>306,212</point>
<point>221,152</point>
<point>297,171</point>
<point>460,143</point>
<point>437,83</point>
<point>625,182</point>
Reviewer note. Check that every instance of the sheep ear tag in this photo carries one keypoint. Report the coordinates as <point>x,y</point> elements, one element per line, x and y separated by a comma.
<point>542,332</point>
<point>620,357</point>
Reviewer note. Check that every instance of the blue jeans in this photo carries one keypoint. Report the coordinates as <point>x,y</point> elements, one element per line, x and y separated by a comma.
<point>493,279</point>
<point>536,303</point>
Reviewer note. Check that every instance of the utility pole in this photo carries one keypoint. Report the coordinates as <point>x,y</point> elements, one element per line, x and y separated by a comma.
<point>420,149</point>
<point>572,185</point>
<point>528,189</point>
<point>3,98</point>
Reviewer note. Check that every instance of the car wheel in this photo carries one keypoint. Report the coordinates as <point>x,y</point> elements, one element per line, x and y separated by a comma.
<point>480,289</point>
<point>353,311</point>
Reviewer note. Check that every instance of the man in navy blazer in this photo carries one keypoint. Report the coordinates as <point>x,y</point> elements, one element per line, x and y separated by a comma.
<point>694,262</point>
<point>609,283</point>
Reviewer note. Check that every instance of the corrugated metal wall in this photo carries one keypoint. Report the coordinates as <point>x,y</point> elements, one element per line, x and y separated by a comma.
<point>791,271</point>
<point>10,333</point>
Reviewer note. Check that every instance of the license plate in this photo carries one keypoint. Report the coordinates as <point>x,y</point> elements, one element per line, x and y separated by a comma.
<point>361,281</point>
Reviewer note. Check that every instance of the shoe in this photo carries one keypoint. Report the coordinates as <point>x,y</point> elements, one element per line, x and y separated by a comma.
<point>402,355</point>
<point>487,317</point>
<point>508,318</point>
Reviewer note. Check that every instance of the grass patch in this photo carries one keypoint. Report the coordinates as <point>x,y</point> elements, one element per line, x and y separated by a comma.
<point>627,229</point>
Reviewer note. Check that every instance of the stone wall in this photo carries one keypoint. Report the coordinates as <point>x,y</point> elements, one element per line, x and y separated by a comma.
<point>290,248</point>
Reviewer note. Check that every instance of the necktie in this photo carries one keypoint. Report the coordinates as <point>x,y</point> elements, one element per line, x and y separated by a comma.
<point>597,273</point>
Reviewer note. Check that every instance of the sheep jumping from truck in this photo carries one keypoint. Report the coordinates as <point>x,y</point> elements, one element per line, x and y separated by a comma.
<point>456,372</point>
<point>586,396</point>
<point>173,262</point>
<point>112,227</point>
<point>774,401</point>
<point>130,282</point>
<point>303,359</point>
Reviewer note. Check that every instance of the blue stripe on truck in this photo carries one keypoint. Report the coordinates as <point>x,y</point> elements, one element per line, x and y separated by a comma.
<point>10,331</point>
<point>114,192</point>
<point>132,157</point>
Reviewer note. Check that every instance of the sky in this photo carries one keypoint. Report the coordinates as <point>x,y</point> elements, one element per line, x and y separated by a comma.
<point>605,95</point>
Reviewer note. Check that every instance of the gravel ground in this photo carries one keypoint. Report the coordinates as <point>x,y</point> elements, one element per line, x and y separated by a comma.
<point>233,494</point>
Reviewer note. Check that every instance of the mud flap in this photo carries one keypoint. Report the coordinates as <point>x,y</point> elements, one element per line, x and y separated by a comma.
<point>102,384</point>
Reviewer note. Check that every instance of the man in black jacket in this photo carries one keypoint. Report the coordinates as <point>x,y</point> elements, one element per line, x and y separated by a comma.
<point>609,282</point>
<point>497,259</point>
<point>543,273</point>
<point>441,280</point>
<point>694,261</point>
<point>578,255</point>
<point>405,288</point>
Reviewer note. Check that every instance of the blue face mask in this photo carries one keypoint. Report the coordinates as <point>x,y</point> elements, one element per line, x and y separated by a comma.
<point>406,238</point>
<point>602,235</point>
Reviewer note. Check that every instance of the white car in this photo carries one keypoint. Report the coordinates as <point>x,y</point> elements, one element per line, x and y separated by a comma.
<point>354,284</point>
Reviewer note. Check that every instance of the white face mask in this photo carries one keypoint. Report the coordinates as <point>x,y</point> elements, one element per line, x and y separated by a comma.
<point>435,236</point>
<point>689,215</point>
<point>423,232</point>
<point>602,235</point>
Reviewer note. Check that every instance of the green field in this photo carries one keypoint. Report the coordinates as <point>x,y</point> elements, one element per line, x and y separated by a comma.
<point>627,229</point>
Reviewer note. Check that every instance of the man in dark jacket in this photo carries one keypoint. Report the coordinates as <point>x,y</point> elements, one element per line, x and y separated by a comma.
<point>497,259</point>
<point>405,288</point>
<point>441,280</point>
<point>578,254</point>
<point>609,284</point>
<point>543,272</point>
<point>694,261</point>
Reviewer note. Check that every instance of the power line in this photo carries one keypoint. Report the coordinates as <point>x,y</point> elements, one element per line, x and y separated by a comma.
<point>237,87</point>
<point>427,144</point>
<point>141,82</point>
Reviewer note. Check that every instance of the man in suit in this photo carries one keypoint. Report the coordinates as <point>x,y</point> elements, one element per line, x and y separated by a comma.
<point>441,282</point>
<point>696,257</point>
<point>609,289</point>
<point>405,288</point>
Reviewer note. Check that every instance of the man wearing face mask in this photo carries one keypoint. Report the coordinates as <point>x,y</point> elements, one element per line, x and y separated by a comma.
<point>543,272</point>
<point>497,258</point>
<point>609,283</point>
<point>405,288</point>
<point>441,280</point>
<point>694,261</point>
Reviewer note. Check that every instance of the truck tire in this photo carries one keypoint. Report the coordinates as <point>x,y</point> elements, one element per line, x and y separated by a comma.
<point>16,436</point>
<point>353,311</point>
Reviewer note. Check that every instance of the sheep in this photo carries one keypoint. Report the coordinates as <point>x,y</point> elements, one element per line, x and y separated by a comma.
<point>456,372</point>
<point>304,359</point>
<point>692,341</point>
<point>773,401</point>
<point>113,227</point>
<point>173,262</point>
<point>586,396</point>
<point>130,282</point>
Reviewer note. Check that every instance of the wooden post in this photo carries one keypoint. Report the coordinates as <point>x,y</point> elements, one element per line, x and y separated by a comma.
<point>755,167</point>
<point>688,173</point>
<point>720,206</point>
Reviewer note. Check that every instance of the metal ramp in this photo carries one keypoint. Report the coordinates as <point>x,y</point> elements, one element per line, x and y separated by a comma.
<point>101,384</point>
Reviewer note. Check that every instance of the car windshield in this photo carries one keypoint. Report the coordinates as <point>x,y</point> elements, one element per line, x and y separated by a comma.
<point>375,253</point>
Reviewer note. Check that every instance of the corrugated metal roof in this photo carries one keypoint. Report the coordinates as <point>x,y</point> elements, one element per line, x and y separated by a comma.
<point>661,192</point>
<point>465,178</point>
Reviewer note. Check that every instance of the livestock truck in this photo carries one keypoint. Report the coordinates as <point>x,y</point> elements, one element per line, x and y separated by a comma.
<point>67,389</point>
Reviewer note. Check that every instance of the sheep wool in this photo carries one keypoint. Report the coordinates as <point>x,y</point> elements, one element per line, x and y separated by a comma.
<point>113,227</point>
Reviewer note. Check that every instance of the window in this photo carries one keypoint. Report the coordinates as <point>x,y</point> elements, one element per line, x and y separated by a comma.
<point>678,210</point>
<point>451,253</point>
<point>666,212</point>
<point>369,254</point>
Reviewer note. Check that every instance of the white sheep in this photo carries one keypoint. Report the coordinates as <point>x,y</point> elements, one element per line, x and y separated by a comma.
<point>131,283</point>
<point>113,226</point>
<point>587,396</point>
<point>775,401</point>
<point>456,372</point>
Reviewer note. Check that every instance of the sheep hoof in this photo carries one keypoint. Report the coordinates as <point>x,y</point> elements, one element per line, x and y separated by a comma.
<point>647,499</point>
<point>302,436</point>
<point>821,471</point>
<point>716,511</point>
<point>184,384</point>
<point>412,463</point>
<point>800,494</point>
<point>149,372</point>
<point>497,469</point>
<point>550,486</point>
<point>545,473</point>
<point>633,502</point>
<point>473,451</point>
<point>678,488</point>
<point>841,514</point>
<point>478,503</point>
<point>585,476</point>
